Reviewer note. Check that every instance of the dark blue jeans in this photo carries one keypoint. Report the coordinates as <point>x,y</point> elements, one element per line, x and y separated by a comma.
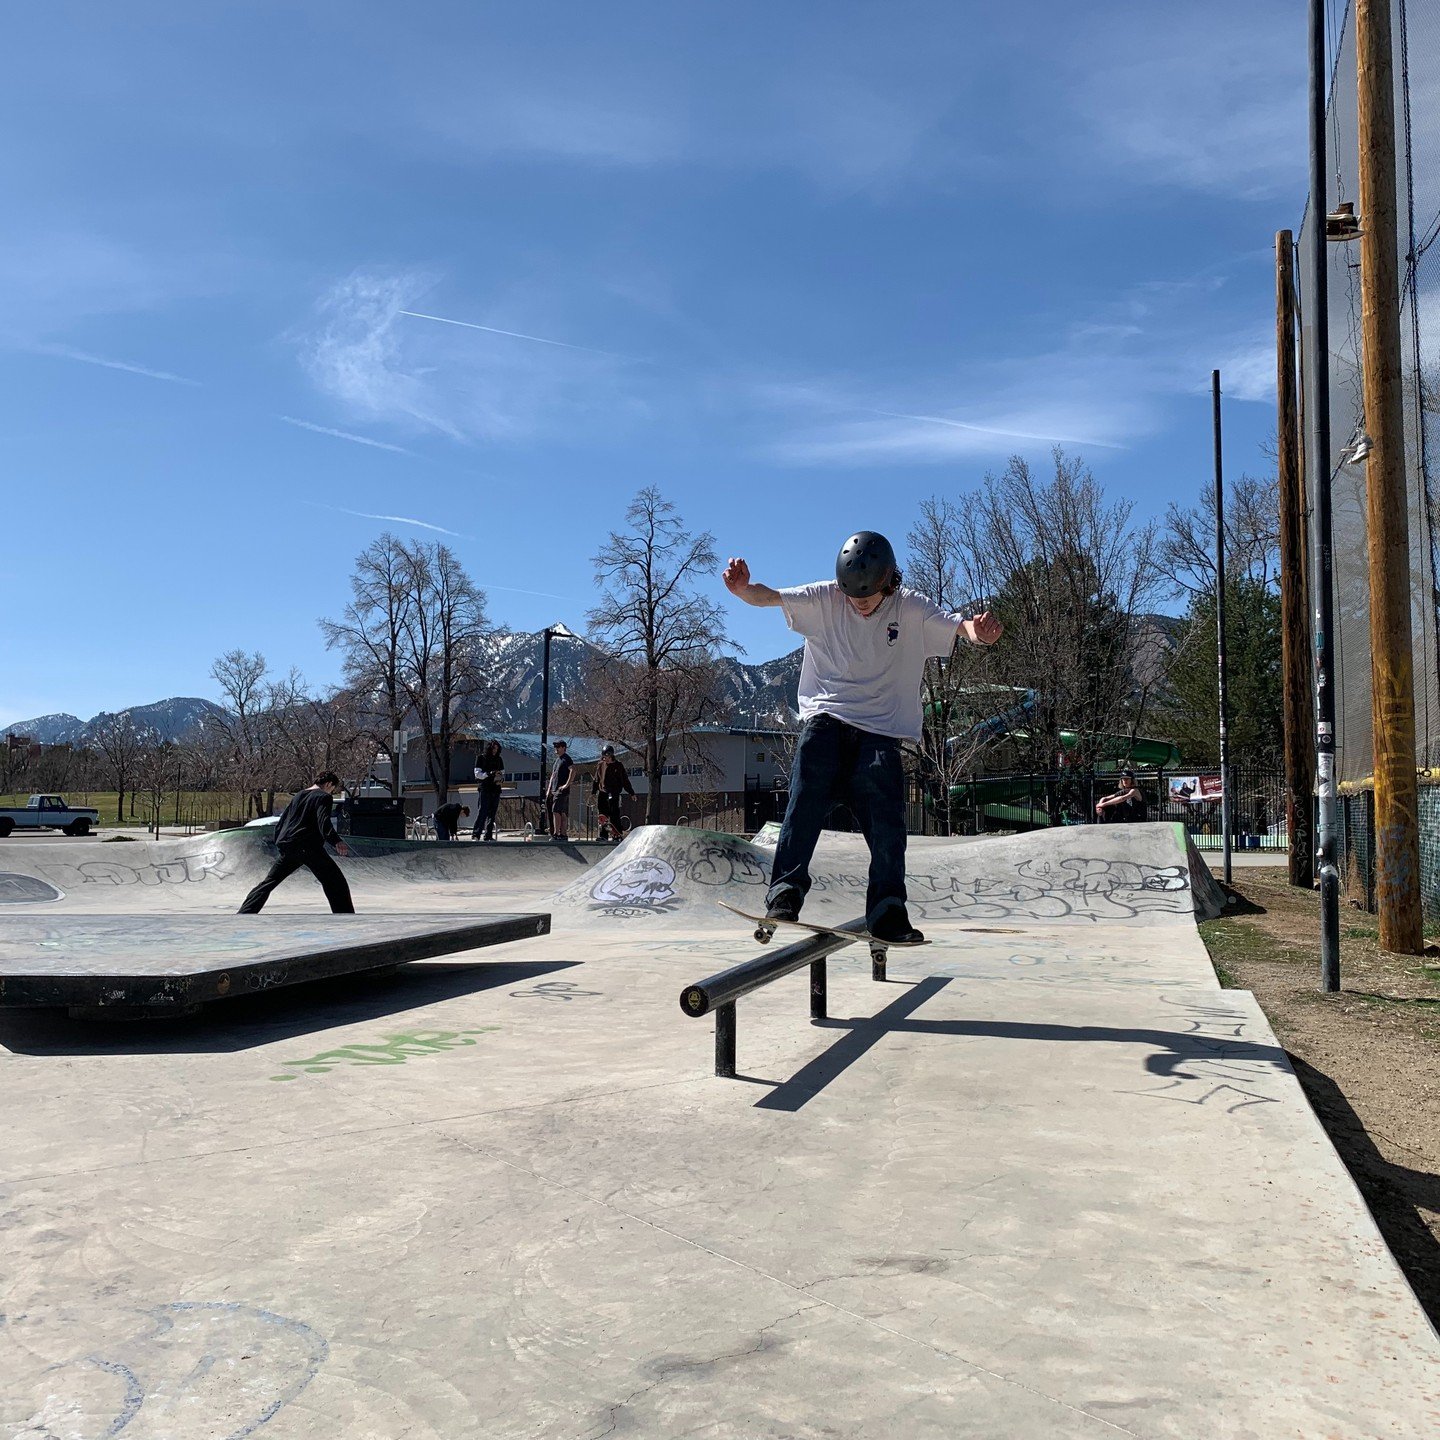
<point>835,762</point>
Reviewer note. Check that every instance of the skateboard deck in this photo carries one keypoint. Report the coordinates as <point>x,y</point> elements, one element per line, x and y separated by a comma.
<point>768,926</point>
<point>765,927</point>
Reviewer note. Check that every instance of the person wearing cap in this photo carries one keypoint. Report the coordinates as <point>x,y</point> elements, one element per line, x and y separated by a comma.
<point>557,792</point>
<point>1127,803</point>
<point>867,638</point>
<point>612,780</point>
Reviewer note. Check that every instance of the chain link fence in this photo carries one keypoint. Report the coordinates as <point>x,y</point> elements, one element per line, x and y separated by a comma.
<point>1416,26</point>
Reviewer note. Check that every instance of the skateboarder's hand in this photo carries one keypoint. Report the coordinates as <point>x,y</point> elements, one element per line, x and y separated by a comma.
<point>736,576</point>
<point>984,629</point>
<point>341,848</point>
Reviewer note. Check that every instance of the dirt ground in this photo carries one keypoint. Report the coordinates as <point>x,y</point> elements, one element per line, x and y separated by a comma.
<point>1368,1058</point>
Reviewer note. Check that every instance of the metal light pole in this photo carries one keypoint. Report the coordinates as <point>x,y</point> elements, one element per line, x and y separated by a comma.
<point>1317,415</point>
<point>544,727</point>
<point>1222,677</point>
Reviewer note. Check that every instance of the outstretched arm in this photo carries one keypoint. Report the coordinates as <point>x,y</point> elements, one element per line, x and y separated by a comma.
<point>983,629</point>
<point>737,580</point>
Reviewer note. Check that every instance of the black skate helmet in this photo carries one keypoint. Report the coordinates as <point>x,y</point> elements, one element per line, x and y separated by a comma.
<point>864,565</point>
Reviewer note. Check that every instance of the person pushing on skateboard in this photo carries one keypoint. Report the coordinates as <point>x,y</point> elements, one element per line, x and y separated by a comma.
<point>867,638</point>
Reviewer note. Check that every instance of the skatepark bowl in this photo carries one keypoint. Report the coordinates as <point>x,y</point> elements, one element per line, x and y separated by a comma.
<point>1040,1177</point>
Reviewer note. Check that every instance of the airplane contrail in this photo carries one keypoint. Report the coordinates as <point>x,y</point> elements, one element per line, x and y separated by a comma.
<point>345,435</point>
<point>396,519</point>
<point>991,430</point>
<point>513,334</point>
<point>67,352</point>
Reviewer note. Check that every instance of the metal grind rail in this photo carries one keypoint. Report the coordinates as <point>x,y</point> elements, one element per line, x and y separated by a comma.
<point>718,993</point>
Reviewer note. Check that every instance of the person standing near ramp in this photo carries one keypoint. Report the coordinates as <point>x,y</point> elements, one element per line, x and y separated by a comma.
<point>866,642</point>
<point>612,780</point>
<point>304,830</point>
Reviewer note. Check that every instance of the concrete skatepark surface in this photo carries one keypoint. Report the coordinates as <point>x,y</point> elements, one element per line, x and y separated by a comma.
<point>1050,1183</point>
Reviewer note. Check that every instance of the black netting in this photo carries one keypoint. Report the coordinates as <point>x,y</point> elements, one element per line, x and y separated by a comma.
<point>1417,115</point>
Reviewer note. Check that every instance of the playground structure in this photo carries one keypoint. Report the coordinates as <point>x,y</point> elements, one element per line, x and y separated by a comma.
<point>1041,799</point>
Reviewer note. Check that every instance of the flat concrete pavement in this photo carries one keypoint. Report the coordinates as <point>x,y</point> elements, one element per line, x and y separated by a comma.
<point>1046,1183</point>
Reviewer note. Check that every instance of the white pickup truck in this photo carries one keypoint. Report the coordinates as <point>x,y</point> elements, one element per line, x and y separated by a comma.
<point>49,812</point>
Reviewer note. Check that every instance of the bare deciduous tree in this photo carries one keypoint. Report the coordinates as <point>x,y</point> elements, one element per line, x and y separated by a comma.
<point>244,724</point>
<point>441,638</point>
<point>1185,553</point>
<point>661,636</point>
<point>120,743</point>
<point>1069,573</point>
<point>370,635</point>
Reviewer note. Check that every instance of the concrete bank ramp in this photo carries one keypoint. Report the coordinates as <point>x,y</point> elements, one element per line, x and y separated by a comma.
<point>212,872</point>
<point>671,878</point>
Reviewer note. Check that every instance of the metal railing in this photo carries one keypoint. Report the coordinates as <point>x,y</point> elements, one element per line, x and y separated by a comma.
<point>718,993</point>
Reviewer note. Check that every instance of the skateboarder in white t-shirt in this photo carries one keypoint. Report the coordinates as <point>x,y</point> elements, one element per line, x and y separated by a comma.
<point>866,642</point>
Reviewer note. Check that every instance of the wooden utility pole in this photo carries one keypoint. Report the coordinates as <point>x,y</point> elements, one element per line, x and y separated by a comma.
<point>1392,685</point>
<point>1294,600</point>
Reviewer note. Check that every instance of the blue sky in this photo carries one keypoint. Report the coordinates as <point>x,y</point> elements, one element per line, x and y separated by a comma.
<point>800,265</point>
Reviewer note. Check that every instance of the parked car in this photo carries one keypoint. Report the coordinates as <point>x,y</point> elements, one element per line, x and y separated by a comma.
<point>49,812</point>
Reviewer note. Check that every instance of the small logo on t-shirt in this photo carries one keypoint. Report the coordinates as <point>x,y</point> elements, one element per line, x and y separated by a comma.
<point>892,633</point>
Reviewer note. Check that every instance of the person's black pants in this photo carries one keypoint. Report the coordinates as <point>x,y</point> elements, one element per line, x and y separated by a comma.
<point>609,807</point>
<point>485,814</point>
<point>319,864</point>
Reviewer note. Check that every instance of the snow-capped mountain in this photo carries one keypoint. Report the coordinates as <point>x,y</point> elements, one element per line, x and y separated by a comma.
<point>169,719</point>
<point>761,695</point>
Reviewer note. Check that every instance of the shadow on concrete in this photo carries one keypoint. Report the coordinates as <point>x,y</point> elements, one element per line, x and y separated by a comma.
<point>261,1019</point>
<point>1173,1049</point>
<point>1396,1194</point>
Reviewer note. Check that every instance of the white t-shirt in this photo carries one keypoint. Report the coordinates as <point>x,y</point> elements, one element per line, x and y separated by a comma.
<point>866,669</point>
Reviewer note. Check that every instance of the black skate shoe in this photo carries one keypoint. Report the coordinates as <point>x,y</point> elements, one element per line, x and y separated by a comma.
<point>894,928</point>
<point>785,906</point>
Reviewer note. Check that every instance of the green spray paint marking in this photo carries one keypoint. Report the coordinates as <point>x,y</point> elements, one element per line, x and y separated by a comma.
<point>397,1050</point>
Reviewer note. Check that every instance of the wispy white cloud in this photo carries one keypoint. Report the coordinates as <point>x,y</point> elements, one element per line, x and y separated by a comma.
<point>824,426</point>
<point>513,334</point>
<point>393,519</point>
<point>69,352</point>
<point>354,354</point>
<point>1209,99</point>
<point>345,435</point>
<point>363,353</point>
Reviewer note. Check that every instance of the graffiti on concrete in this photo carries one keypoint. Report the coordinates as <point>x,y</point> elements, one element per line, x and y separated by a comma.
<point>394,1050</point>
<point>205,864</point>
<point>643,885</point>
<point>1215,1063</point>
<point>562,990</point>
<point>1082,888</point>
<point>205,1368</point>
<point>26,890</point>
<point>709,860</point>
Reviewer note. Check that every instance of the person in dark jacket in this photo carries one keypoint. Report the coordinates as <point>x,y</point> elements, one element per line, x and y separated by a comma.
<point>488,770</point>
<point>304,830</point>
<point>1126,805</point>
<point>612,780</point>
<point>447,820</point>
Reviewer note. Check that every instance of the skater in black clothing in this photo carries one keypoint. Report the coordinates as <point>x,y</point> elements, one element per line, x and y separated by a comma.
<point>304,830</point>
<point>612,780</point>
<point>447,820</point>
<point>488,769</point>
<point>1125,806</point>
<point>557,792</point>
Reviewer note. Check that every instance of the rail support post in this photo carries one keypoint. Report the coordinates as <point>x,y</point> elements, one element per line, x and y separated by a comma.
<point>725,1041</point>
<point>818,990</point>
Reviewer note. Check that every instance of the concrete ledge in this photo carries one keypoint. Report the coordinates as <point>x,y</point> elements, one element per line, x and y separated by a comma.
<point>169,964</point>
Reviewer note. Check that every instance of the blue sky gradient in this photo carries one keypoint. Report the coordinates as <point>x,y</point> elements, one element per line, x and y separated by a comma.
<point>800,265</point>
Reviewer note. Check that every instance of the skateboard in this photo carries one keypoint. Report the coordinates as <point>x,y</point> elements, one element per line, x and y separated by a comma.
<point>765,927</point>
